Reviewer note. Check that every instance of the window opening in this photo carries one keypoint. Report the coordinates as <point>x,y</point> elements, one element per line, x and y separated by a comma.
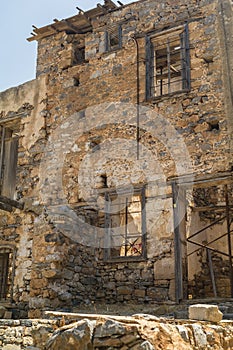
<point>168,66</point>
<point>113,38</point>
<point>79,55</point>
<point>76,81</point>
<point>6,273</point>
<point>125,225</point>
<point>214,126</point>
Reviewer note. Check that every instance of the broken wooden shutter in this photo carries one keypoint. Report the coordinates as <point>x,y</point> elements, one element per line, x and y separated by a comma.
<point>10,164</point>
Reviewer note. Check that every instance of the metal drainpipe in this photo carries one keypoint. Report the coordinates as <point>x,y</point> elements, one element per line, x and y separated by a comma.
<point>138,99</point>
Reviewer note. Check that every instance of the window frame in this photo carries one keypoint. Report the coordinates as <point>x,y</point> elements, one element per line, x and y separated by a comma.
<point>140,191</point>
<point>9,144</point>
<point>7,279</point>
<point>113,29</point>
<point>152,40</point>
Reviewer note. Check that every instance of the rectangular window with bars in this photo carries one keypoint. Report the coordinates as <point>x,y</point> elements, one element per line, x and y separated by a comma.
<point>125,225</point>
<point>113,38</point>
<point>168,62</point>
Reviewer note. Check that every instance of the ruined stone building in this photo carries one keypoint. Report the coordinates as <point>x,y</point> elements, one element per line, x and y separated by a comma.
<point>116,160</point>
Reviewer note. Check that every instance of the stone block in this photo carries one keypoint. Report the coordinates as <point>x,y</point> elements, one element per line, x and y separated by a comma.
<point>124,290</point>
<point>76,336</point>
<point>205,312</point>
<point>164,269</point>
<point>199,336</point>
<point>140,293</point>
<point>109,329</point>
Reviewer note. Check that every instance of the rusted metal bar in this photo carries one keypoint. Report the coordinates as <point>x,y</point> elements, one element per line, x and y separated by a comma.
<point>213,241</point>
<point>206,246</point>
<point>229,237</point>
<point>205,228</point>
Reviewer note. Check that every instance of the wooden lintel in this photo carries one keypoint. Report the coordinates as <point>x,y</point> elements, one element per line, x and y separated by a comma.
<point>10,203</point>
<point>6,207</point>
<point>73,27</point>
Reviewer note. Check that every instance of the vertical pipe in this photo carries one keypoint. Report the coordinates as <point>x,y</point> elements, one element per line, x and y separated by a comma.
<point>138,98</point>
<point>229,238</point>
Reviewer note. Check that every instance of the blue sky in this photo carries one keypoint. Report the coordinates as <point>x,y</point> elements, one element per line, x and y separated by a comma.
<point>17,55</point>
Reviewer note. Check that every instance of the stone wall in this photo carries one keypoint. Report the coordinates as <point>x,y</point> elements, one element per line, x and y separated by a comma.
<point>78,124</point>
<point>101,332</point>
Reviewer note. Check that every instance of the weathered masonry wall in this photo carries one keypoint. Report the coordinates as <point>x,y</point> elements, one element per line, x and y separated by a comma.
<point>78,126</point>
<point>128,333</point>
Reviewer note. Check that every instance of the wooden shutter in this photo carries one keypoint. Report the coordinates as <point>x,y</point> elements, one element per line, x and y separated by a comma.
<point>10,165</point>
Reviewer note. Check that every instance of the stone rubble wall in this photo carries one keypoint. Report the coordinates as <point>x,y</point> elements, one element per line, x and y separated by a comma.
<point>56,271</point>
<point>136,333</point>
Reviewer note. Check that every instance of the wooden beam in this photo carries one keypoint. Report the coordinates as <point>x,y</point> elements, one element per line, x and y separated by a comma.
<point>6,207</point>
<point>73,27</point>
<point>10,202</point>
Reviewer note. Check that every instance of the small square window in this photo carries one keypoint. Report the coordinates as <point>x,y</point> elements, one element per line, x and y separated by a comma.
<point>168,67</point>
<point>125,225</point>
<point>113,38</point>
